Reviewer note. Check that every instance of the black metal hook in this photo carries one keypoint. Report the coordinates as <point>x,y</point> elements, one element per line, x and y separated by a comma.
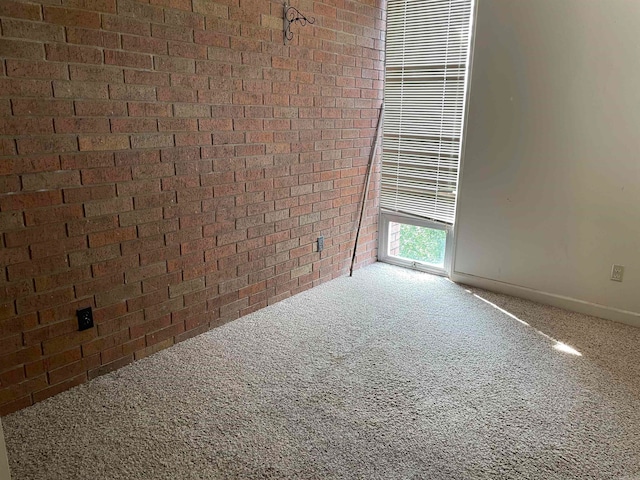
<point>293,15</point>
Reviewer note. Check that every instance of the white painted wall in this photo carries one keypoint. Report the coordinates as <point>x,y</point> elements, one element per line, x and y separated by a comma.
<point>549,196</point>
<point>4,462</point>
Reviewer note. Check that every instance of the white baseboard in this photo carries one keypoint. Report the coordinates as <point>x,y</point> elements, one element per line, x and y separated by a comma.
<point>4,462</point>
<point>609,313</point>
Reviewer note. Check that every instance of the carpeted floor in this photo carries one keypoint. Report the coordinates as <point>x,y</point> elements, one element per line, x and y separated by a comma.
<point>391,374</point>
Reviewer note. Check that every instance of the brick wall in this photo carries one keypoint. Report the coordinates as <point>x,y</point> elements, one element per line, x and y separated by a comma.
<point>170,163</point>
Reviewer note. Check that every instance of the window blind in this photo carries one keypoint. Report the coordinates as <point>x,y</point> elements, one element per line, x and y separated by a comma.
<point>426,64</point>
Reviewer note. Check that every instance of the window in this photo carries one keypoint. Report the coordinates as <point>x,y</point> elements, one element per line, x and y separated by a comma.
<point>415,243</point>
<point>425,81</point>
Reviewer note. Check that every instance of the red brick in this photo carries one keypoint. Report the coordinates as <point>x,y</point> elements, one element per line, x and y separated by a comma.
<point>93,73</point>
<point>137,158</point>
<point>210,8</point>
<point>103,142</point>
<point>114,267</point>
<point>131,8</point>
<point>96,38</point>
<point>122,125</point>
<point>73,277</point>
<point>132,92</point>
<point>36,69</point>
<point>106,207</point>
<point>53,215</point>
<point>140,216</point>
<point>146,78</point>
<point>200,138</point>
<point>212,38</point>
<point>127,59</point>
<point>91,108</point>
<point>18,9</point>
<point>151,141</point>
<point>187,50</point>
<point>153,171</point>
<point>178,4</point>
<point>52,247</point>
<point>215,124</point>
<point>17,126</point>
<point>50,180</point>
<point>191,110</point>
<point>71,16</point>
<point>44,107</point>
<point>33,31</point>
<point>20,87</point>
<point>174,65</point>
<point>21,49</point>
<point>65,357</point>
<point>86,194</point>
<point>171,33</point>
<point>184,19</point>
<point>168,94</point>
<point>81,125</point>
<point>82,227</point>
<point>23,201</point>
<point>105,175</point>
<point>9,184</point>
<point>144,44</point>
<point>44,300</point>
<point>108,6</point>
<point>16,375</point>
<point>77,90</point>
<point>112,236</point>
<point>104,343</point>
<point>214,96</point>
<point>11,220</point>
<point>73,53</point>
<point>164,334</point>
<point>7,309</point>
<point>215,69</point>
<point>125,25</point>
<point>38,335</point>
<point>74,369</point>
<point>117,294</point>
<point>147,109</point>
<point>94,255</point>
<point>22,356</point>
<point>84,160</point>
<point>16,324</point>
<point>38,266</point>
<point>46,144</point>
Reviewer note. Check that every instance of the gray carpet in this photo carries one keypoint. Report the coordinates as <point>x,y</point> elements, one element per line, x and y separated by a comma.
<point>391,374</point>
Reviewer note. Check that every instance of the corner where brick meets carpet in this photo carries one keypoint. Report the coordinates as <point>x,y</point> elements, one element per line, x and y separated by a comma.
<point>390,374</point>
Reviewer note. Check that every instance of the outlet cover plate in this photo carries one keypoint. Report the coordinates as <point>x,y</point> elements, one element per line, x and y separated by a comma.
<point>320,243</point>
<point>85,318</point>
<point>617,272</point>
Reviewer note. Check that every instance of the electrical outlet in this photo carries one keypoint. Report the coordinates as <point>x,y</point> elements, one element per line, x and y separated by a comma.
<point>320,243</point>
<point>85,318</point>
<point>616,272</point>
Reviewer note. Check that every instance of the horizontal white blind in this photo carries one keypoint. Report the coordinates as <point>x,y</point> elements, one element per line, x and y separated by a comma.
<point>426,56</point>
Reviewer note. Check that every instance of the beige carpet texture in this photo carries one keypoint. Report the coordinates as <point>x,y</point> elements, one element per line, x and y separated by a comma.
<point>390,374</point>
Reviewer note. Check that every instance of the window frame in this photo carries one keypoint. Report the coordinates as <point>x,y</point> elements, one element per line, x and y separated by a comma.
<point>386,217</point>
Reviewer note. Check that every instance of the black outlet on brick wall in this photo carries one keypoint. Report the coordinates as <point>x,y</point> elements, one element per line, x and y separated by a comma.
<point>85,318</point>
